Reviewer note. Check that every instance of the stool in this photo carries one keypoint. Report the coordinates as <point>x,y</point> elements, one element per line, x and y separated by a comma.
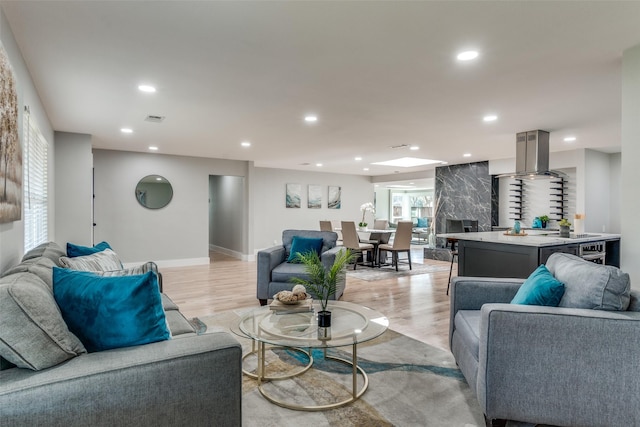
<point>454,253</point>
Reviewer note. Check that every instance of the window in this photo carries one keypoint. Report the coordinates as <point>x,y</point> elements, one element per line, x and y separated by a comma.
<point>35,184</point>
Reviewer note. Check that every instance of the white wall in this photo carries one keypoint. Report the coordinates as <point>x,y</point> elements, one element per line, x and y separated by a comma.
<point>615,169</point>
<point>630,203</point>
<point>271,216</point>
<point>383,203</point>
<point>74,189</point>
<point>174,235</point>
<point>12,234</point>
<point>598,184</point>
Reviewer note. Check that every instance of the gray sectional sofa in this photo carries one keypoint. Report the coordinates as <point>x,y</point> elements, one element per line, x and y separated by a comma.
<point>571,365</point>
<point>190,379</point>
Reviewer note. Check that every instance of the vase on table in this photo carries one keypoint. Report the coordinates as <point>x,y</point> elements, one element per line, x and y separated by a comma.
<point>324,325</point>
<point>564,231</point>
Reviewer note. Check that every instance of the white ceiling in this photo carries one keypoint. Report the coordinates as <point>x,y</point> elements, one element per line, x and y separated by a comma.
<point>377,74</point>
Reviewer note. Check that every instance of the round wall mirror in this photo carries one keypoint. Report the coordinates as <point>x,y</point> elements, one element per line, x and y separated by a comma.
<point>154,192</point>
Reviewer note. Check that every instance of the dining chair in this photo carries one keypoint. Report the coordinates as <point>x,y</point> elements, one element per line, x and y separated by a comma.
<point>326,226</point>
<point>380,224</point>
<point>454,226</point>
<point>350,240</point>
<point>401,243</point>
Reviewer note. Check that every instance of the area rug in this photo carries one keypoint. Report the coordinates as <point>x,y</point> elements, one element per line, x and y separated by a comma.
<point>371,274</point>
<point>410,384</point>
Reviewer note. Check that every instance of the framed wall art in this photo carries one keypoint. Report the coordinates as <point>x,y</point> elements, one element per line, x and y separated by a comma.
<point>335,195</point>
<point>314,199</point>
<point>293,195</point>
<point>10,150</point>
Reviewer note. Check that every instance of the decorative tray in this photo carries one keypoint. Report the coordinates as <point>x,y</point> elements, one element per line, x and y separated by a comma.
<point>522,233</point>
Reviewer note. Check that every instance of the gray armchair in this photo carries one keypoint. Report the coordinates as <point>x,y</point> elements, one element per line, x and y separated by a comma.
<point>546,365</point>
<point>275,273</point>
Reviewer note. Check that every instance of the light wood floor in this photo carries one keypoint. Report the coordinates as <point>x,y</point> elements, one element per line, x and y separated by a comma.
<point>416,306</point>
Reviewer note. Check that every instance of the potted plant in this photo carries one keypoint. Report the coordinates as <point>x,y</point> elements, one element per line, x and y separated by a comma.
<point>544,219</point>
<point>564,227</point>
<point>366,207</point>
<point>321,281</point>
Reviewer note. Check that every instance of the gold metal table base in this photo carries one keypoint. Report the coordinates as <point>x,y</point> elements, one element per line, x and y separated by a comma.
<point>263,379</point>
<point>283,377</point>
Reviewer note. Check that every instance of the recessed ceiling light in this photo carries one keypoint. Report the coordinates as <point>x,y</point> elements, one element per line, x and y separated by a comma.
<point>466,155</point>
<point>467,55</point>
<point>414,147</point>
<point>365,169</point>
<point>318,164</point>
<point>358,158</point>
<point>570,139</point>
<point>146,88</point>
<point>490,118</point>
<point>153,148</point>
<point>407,162</point>
<point>311,118</point>
<point>126,130</point>
<point>245,144</point>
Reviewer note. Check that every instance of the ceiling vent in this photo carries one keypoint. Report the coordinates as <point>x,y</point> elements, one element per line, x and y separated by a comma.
<point>154,119</point>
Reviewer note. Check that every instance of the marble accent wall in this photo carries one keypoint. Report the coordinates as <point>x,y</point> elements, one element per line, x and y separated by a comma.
<point>466,191</point>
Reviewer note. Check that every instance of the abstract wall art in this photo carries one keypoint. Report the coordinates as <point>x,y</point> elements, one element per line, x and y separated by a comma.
<point>335,197</point>
<point>10,150</point>
<point>293,195</point>
<point>314,200</point>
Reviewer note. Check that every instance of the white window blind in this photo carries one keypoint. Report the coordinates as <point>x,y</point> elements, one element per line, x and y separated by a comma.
<point>35,184</point>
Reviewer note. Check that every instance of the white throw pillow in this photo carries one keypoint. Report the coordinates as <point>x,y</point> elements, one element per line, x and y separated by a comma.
<point>106,260</point>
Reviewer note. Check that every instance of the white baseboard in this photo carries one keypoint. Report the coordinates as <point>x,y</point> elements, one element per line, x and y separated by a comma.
<point>234,254</point>
<point>185,262</point>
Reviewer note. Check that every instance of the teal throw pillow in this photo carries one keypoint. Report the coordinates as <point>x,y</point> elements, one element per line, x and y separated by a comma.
<point>540,288</point>
<point>110,312</point>
<point>303,245</point>
<point>422,223</point>
<point>77,250</point>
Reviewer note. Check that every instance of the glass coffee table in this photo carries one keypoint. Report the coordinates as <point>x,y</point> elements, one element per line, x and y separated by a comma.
<point>351,324</point>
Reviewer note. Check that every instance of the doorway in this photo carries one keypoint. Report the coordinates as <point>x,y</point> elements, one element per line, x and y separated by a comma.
<point>227,216</point>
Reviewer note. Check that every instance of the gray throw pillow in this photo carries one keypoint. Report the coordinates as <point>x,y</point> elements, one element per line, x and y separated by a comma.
<point>590,285</point>
<point>33,334</point>
<point>106,260</point>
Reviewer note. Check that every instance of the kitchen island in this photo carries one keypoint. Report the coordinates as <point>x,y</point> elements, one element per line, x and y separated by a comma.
<point>497,254</point>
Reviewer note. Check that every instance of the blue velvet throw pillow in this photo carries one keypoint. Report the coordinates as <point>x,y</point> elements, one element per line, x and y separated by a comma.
<point>540,288</point>
<point>77,250</point>
<point>303,245</point>
<point>110,312</point>
<point>422,223</point>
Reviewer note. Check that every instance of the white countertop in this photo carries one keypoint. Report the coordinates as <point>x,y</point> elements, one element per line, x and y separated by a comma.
<point>533,237</point>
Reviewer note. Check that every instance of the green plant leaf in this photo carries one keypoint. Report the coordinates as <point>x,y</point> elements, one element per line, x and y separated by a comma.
<point>322,282</point>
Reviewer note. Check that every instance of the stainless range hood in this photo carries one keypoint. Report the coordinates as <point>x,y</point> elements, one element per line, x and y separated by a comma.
<point>532,156</point>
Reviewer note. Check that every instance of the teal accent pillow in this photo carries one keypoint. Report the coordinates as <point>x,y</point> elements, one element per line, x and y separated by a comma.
<point>540,288</point>
<point>77,250</point>
<point>422,223</point>
<point>110,312</point>
<point>303,245</point>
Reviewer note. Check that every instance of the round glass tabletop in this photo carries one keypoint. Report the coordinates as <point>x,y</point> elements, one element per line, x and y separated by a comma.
<point>350,324</point>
